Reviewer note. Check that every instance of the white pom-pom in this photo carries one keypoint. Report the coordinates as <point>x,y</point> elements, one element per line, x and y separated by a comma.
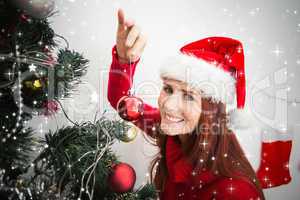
<point>248,134</point>
<point>241,119</point>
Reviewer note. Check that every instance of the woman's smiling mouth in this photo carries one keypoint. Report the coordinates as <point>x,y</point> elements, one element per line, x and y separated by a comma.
<point>173,119</point>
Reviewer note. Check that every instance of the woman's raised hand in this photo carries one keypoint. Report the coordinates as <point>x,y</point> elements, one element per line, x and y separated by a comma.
<point>130,41</point>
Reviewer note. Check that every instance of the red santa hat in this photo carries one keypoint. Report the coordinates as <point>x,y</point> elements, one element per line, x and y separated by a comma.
<point>214,66</point>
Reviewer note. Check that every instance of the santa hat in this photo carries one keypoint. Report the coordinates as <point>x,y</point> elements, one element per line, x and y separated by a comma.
<point>215,67</point>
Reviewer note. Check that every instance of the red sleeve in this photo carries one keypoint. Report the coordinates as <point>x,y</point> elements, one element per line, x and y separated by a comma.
<point>119,83</point>
<point>230,189</point>
<point>235,189</point>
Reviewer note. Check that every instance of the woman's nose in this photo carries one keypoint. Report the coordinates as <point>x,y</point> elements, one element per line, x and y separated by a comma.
<point>173,103</point>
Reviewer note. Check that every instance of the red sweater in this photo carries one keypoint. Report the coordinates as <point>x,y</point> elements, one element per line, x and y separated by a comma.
<point>181,183</point>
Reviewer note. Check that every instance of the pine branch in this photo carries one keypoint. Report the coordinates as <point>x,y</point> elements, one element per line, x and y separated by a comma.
<point>70,150</point>
<point>70,68</point>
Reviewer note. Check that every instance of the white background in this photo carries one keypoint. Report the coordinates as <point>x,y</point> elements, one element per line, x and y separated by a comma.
<point>269,30</point>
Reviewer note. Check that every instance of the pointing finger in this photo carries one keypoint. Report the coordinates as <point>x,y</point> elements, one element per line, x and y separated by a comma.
<point>121,17</point>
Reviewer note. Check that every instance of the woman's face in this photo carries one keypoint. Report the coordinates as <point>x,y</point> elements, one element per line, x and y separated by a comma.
<point>180,107</point>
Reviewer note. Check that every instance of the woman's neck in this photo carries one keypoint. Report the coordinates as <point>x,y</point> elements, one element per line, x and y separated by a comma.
<point>183,138</point>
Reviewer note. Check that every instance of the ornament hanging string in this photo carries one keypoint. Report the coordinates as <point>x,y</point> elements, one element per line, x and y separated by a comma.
<point>62,108</point>
<point>131,91</point>
<point>65,40</point>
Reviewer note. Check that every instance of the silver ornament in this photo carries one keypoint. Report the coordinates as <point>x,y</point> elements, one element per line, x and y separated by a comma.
<point>36,8</point>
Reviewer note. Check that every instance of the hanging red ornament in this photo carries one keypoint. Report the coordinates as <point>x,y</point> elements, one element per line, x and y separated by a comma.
<point>46,49</point>
<point>130,108</point>
<point>51,107</point>
<point>23,17</point>
<point>50,60</point>
<point>122,178</point>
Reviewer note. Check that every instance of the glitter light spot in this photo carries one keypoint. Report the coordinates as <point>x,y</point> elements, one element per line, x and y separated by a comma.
<point>231,188</point>
<point>277,51</point>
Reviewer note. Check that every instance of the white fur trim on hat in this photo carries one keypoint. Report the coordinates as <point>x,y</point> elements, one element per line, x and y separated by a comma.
<point>208,78</point>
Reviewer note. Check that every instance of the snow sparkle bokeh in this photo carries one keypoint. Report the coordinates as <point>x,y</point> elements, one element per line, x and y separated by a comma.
<point>269,30</point>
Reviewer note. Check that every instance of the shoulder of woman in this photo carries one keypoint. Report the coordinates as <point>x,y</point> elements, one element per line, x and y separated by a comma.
<point>234,188</point>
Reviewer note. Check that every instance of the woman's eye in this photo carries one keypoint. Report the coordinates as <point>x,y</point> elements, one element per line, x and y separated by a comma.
<point>168,89</point>
<point>188,97</point>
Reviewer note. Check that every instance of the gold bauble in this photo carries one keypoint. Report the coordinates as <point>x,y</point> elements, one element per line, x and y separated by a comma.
<point>130,135</point>
<point>37,84</point>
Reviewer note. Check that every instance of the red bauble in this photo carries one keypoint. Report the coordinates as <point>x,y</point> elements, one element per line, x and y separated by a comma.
<point>122,178</point>
<point>24,17</point>
<point>130,108</point>
<point>51,107</point>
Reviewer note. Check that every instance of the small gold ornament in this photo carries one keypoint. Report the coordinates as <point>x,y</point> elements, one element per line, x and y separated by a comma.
<point>130,135</point>
<point>37,84</point>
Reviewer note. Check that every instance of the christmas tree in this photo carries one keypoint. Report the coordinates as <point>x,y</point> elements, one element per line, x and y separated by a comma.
<point>74,162</point>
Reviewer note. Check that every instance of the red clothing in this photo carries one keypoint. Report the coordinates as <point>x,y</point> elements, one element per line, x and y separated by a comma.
<point>181,182</point>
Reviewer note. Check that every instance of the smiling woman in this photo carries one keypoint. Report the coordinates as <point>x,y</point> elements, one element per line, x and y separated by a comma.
<point>180,108</point>
<point>199,155</point>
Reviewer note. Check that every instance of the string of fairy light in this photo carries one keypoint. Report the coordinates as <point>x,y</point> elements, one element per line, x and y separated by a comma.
<point>41,62</point>
<point>33,61</point>
<point>25,58</point>
<point>17,61</point>
<point>40,59</point>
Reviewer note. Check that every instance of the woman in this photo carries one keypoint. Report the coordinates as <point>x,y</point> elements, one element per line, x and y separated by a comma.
<point>200,157</point>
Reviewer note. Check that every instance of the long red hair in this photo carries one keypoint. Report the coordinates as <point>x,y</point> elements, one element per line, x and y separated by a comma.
<point>230,160</point>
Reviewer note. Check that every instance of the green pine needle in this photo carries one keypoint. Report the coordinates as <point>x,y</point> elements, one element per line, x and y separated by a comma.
<point>70,68</point>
